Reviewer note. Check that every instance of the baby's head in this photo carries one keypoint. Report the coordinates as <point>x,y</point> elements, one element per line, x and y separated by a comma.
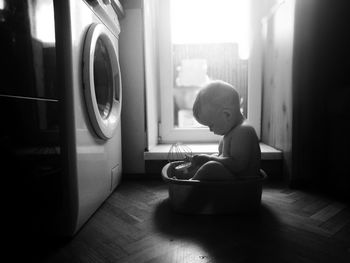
<point>217,106</point>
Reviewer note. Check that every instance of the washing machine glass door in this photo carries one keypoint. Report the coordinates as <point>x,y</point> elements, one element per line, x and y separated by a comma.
<point>102,82</point>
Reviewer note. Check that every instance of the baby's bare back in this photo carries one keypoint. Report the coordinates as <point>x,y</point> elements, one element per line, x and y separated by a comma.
<point>241,145</point>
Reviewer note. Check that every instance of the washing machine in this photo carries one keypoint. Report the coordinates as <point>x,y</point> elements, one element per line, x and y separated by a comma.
<point>62,82</point>
<point>87,44</point>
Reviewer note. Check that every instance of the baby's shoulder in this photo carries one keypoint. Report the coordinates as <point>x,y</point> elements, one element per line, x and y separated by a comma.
<point>243,134</point>
<point>244,129</point>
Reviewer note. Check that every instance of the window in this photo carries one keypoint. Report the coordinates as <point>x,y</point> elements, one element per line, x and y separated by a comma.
<point>199,41</point>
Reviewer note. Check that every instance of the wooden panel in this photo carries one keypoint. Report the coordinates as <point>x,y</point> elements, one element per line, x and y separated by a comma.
<point>277,79</point>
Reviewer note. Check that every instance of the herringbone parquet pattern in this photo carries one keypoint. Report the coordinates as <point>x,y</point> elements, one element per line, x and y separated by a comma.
<point>136,225</point>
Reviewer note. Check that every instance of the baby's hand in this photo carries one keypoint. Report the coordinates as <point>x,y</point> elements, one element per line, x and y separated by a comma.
<point>200,159</point>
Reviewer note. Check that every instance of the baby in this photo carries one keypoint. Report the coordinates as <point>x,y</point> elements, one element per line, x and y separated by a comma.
<point>217,106</point>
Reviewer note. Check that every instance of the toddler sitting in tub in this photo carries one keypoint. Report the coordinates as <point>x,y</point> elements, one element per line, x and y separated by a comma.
<point>218,106</point>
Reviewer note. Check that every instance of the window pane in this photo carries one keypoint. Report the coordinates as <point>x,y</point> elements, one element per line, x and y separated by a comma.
<point>207,49</point>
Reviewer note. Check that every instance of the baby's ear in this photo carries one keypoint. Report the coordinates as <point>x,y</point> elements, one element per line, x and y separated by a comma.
<point>227,113</point>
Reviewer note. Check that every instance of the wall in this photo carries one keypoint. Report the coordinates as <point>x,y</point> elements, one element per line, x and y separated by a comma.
<point>151,70</point>
<point>306,110</point>
<point>321,95</point>
<point>259,9</point>
<point>133,79</point>
<point>277,49</point>
<point>307,143</point>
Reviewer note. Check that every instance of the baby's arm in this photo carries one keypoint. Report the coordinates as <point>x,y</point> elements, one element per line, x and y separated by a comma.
<point>220,146</point>
<point>200,159</point>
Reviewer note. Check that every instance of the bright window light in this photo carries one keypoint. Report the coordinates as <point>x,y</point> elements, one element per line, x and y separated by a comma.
<point>2,4</point>
<point>45,22</point>
<point>211,21</point>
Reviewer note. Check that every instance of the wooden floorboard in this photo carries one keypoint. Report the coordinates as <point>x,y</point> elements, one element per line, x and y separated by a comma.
<point>137,225</point>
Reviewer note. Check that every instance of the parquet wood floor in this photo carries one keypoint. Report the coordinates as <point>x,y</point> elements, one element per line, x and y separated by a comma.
<point>136,225</point>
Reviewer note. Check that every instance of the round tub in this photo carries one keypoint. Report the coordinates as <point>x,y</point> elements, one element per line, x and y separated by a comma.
<point>213,197</point>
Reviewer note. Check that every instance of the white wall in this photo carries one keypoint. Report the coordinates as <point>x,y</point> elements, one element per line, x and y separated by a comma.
<point>133,79</point>
<point>151,70</point>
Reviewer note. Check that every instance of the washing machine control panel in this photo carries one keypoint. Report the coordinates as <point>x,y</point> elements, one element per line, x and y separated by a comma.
<point>113,4</point>
<point>98,2</point>
<point>109,11</point>
<point>92,2</point>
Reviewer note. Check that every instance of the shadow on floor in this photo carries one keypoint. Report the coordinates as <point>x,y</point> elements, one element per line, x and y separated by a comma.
<point>226,238</point>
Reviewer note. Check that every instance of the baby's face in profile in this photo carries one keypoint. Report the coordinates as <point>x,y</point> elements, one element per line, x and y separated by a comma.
<point>217,120</point>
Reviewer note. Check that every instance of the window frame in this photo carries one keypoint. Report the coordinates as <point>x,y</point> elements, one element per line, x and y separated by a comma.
<point>167,133</point>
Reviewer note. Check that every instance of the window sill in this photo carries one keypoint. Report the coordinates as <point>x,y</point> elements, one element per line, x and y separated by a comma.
<point>160,151</point>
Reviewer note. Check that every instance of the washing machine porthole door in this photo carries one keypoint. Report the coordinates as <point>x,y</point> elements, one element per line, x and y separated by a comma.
<point>102,82</point>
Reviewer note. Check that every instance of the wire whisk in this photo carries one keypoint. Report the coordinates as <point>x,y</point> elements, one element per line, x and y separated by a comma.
<point>179,152</point>
<point>183,154</point>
